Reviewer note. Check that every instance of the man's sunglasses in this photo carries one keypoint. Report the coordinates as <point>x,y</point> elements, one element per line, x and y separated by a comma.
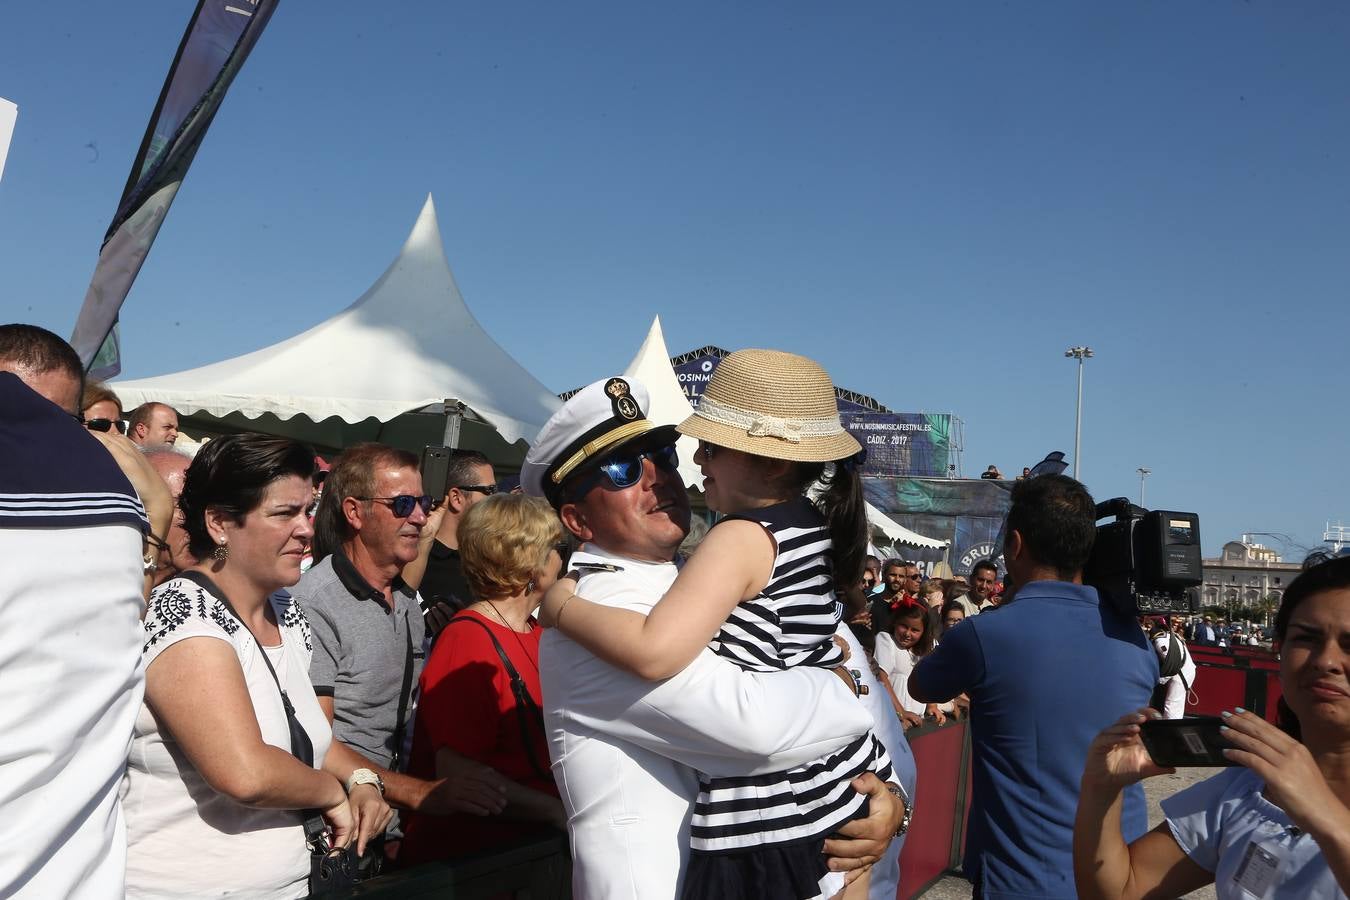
<point>403,504</point>
<point>624,469</point>
<point>485,489</point>
<point>105,425</point>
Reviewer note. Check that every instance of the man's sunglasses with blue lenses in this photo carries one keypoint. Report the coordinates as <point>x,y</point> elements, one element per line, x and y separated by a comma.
<point>403,504</point>
<point>624,468</point>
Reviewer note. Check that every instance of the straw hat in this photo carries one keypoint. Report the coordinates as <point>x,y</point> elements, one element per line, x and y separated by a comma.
<point>773,404</point>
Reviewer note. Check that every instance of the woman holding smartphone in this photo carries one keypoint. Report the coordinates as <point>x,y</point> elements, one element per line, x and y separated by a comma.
<point>1276,824</point>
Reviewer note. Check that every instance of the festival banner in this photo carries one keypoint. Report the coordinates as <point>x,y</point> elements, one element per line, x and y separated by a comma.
<point>902,445</point>
<point>217,41</point>
<point>967,512</point>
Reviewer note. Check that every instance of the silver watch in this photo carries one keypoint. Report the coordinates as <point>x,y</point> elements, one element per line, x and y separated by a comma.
<point>899,793</point>
<point>366,776</point>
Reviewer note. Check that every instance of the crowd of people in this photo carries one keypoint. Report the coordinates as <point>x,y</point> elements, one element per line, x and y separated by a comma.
<point>260,673</point>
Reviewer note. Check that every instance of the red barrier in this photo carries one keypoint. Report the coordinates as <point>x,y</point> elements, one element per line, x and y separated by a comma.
<point>933,845</point>
<point>1218,688</point>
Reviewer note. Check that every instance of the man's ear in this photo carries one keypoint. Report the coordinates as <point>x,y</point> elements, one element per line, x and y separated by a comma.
<point>1013,546</point>
<point>353,511</point>
<point>574,520</point>
<point>454,501</point>
<point>139,430</point>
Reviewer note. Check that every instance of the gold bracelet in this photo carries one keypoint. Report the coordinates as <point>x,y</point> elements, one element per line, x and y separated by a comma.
<point>558,617</point>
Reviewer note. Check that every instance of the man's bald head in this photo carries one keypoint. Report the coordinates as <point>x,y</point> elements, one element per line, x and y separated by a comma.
<point>44,362</point>
<point>174,555</point>
<point>171,464</point>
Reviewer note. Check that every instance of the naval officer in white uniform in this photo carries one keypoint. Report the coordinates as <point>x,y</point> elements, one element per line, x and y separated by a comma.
<point>626,751</point>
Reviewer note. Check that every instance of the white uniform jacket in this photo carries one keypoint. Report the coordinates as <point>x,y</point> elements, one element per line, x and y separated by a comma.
<point>625,751</point>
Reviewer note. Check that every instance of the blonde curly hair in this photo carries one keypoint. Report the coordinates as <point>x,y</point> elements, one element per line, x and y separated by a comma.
<point>504,542</point>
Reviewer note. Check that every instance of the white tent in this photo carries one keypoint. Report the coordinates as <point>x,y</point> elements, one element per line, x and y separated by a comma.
<point>379,370</point>
<point>669,404</point>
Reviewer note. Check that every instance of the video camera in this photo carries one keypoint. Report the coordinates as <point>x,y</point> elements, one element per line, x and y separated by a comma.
<point>1143,562</point>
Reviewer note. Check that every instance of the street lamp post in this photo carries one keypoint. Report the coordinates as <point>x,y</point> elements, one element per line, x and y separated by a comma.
<point>1080,354</point>
<point>1144,472</point>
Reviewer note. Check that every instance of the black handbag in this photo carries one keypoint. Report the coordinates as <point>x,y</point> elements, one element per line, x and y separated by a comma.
<point>332,870</point>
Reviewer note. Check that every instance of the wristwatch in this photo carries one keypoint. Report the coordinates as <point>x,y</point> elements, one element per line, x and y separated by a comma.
<point>366,776</point>
<point>899,793</point>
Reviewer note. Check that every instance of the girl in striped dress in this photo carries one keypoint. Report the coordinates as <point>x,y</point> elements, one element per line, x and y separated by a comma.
<point>760,591</point>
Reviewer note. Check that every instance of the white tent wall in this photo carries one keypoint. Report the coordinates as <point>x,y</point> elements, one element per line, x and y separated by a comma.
<point>367,373</point>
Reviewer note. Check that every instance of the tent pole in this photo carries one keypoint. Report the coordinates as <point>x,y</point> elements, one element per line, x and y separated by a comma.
<point>454,417</point>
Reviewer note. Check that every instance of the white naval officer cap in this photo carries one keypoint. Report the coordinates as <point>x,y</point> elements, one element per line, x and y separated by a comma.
<point>598,419</point>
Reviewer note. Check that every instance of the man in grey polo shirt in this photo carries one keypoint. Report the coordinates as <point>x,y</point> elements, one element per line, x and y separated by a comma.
<point>368,633</point>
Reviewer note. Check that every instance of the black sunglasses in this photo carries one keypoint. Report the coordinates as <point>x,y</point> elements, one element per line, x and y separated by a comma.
<point>624,469</point>
<point>403,504</point>
<point>486,489</point>
<point>105,425</point>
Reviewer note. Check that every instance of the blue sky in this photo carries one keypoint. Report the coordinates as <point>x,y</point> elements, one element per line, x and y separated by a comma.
<point>934,200</point>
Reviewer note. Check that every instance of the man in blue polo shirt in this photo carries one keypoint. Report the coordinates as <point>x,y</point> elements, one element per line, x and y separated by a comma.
<point>1045,672</point>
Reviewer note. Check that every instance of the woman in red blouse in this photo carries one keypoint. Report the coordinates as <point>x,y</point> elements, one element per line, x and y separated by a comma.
<point>480,696</point>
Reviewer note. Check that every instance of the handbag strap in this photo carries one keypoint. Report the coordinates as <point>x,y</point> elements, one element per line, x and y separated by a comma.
<point>404,696</point>
<point>525,705</point>
<point>302,748</point>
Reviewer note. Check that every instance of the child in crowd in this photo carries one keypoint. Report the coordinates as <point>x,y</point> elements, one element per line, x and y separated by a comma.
<point>760,591</point>
<point>900,644</point>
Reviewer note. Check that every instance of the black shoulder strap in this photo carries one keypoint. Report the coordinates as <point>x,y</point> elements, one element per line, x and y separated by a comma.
<point>525,705</point>
<point>302,748</point>
<point>404,697</point>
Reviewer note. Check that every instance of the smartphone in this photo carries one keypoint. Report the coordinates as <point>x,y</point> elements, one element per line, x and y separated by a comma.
<point>435,468</point>
<point>1193,741</point>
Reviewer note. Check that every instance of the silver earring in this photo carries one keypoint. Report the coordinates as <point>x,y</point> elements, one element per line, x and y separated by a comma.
<point>529,588</point>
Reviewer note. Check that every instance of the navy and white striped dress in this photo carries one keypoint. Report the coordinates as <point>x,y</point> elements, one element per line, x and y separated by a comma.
<point>756,826</point>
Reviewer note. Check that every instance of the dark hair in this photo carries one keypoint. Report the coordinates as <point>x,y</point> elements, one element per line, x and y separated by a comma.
<point>893,563</point>
<point>950,605</point>
<point>231,474</point>
<point>141,415</point>
<point>924,644</point>
<point>951,589</point>
<point>841,503</point>
<point>1057,520</point>
<point>461,466</point>
<point>97,392</point>
<point>39,351</point>
<point>872,561</point>
<point>1328,574</point>
<point>352,474</point>
<point>985,564</point>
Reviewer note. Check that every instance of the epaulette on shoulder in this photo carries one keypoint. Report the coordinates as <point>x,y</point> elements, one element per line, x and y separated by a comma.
<point>591,568</point>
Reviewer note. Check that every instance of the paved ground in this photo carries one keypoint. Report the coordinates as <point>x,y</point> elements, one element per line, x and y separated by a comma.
<point>1155,789</point>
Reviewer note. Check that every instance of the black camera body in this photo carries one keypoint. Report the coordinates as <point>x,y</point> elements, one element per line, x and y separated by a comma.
<point>1143,563</point>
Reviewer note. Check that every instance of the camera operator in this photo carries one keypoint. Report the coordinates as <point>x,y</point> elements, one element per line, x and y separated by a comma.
<point>1176,670</point>
<point>1036,709</point>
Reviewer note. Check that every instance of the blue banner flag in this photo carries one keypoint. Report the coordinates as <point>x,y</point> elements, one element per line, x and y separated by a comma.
<point>217,41</point>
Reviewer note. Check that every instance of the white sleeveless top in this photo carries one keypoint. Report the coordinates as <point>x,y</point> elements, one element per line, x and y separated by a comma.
<point>183,838</point>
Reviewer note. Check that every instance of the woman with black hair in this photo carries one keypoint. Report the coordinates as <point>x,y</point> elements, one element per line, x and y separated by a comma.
<point>227,756</point>
<point>1277,824</point>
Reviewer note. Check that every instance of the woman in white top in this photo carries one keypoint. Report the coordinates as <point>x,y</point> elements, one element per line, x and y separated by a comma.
<point>214,798</point>
<point>905,636</point>
<point>1277,824</point>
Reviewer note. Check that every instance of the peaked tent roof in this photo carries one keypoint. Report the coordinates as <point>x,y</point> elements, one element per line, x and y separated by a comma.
<point>407,343</point>
<point>669,404</point>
